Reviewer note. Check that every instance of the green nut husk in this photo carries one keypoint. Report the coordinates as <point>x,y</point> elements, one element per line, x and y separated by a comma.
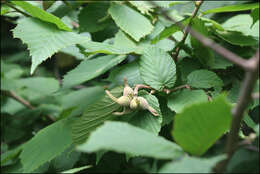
<point>134,104</point>
<point>124,101</point>
<point>144,105</point>
<point>128,91</point>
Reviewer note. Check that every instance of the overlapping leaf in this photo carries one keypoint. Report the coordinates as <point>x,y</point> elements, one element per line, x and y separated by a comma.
<point>191,165</point>
<point>129,20</point>
<point>181,99</point>
<point>125,138</point>
<point>204,79</point>
<point>90,69</point>
<point>232,8</point>
<point>45,145</point>
<point>94,116</point>
<point>41,14</point>
<point>157,68</point>
<point>44,39</point>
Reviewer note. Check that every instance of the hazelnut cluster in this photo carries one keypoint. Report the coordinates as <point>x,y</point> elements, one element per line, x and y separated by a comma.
<point>131,101</point>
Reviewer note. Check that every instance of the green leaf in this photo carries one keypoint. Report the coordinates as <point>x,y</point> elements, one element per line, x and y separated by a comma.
<point>41,14</point>
<point>122,41</point>
<point>130,71</point>
<point>130,20</point>
<point>204,79</point>
<point>242,23</point>
<point>136,141</point>
<point>255,15</point>
<point>46,145</point>
<point>157,68</point>
<point>75,170</point>
<point>99,47</point>
<point>168,31</point>
<point>243,161</point>
<point>74,99</point>
<point>204,54</point>
<point>4,9</point>
<point>46,41</point>
<point>199,126</point>
<point>191,165</point>
<point>237,38</point>
<point>143,6</point>
<point>94,116</point>
<point>178,101</point>
<point>47,4</point>
<point>43,85</point>
<point>220,63</point>
<point>90,16</point>
<point>89,69</point>
<point>144,119</point>
<point>232,8</point>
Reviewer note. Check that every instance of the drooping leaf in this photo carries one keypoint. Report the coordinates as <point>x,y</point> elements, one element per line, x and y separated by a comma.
<point>204,54</point>
<point>94,116</point>
<point>207,122</point>
<point>204,79</point>
<point>255,15</point>
<point>43,85</point>
<point>129,71</point>
<point>232,8</point>
<point>237,38</point>
<point>136,141</point>
<point>90,16</point>
<point>99,47</point>
<point>41,14</point>
<point>221,63</point>
<point>45,145</point>
<point>89,69</point>
<point>191,165</point>
<point>157,68</point>
<point>181,99</point>
<point>129,20</point>
<point>46,41</point>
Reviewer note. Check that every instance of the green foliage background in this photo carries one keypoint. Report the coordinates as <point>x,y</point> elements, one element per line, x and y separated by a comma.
<point>61,55</point>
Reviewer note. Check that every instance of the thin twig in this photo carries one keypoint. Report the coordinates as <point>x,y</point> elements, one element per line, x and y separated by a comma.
<point>24,102</point>
<point>211,44</point>
<point>16,9</point>
<point>139,86</point>
<point>186,31</point>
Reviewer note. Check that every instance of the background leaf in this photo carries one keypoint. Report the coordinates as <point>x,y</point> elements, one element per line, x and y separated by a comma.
<point>47,144</point>
<point>191,165</point>
<point>232,8</point>
<point>181,99</point>
<point>90,69</point>
<point>204,79</point>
